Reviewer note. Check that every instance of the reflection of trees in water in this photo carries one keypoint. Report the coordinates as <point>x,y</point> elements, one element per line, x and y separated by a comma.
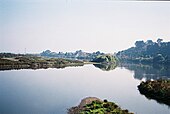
<point>165,101</point>
<point>148,71</point>
<point>106,67</point>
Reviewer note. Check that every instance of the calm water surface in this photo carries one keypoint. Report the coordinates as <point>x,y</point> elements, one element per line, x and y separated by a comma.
<point>53,91</point>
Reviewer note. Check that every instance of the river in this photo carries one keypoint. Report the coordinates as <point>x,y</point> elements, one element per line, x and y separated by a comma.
<point>53,91</point>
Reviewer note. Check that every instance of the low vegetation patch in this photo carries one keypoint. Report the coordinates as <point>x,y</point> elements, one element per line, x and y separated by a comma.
<point>158,90</point>
<point>35,62</point>
<point>97,106</point>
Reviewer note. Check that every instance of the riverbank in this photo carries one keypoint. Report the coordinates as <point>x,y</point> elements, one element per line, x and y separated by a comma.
<point>93,105</point>
<point>35,62</point>
<point>158,90</point>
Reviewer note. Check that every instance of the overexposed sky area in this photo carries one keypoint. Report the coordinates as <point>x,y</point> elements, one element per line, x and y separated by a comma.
<point>89,25</point>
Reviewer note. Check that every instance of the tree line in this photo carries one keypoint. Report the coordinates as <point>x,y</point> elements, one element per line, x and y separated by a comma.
<point>147,52</point>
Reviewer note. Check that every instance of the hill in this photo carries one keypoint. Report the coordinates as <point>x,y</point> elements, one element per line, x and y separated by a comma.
<point>147,52</point>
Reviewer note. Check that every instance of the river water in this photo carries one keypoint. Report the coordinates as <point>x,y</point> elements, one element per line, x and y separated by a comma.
<point>53,91</point>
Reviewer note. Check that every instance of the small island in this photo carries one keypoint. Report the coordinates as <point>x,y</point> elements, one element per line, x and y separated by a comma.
<point>158,90</point>
<point>105,62</point>
<point>93,105</point>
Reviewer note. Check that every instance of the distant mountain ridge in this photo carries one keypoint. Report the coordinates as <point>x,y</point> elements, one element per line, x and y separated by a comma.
<point>147,52</point>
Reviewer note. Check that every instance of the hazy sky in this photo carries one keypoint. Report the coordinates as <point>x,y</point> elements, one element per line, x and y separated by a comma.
<point>89,25</point>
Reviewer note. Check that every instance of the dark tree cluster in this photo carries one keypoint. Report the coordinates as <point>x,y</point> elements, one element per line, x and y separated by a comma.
<point>147,52</point>
<point>107,58</point>
<point>158,90</point>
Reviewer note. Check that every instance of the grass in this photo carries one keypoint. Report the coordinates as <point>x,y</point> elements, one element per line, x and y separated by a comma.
<point>98,107</point>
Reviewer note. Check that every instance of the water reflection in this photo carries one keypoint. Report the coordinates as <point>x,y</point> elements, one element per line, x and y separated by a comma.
<point>53,91</point>
<point>106,67</point>
<point>148,72</point>
<point>163,102</point>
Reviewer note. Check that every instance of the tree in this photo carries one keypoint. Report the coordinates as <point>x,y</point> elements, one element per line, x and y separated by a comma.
<point>139,44</point>
<point>46,53</point>
<point>105,59</point>
<point>149,42</point>
<point>159,41</point>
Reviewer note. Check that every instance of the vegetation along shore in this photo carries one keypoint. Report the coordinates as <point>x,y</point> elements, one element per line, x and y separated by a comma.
<point>157,89</point>
<point>34,62</point>
<point>147,52</point>
<point>93,105</point>
<point>9,61</point>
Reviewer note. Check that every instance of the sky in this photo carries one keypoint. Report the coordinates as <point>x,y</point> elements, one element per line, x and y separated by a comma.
<point>89,25</point>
